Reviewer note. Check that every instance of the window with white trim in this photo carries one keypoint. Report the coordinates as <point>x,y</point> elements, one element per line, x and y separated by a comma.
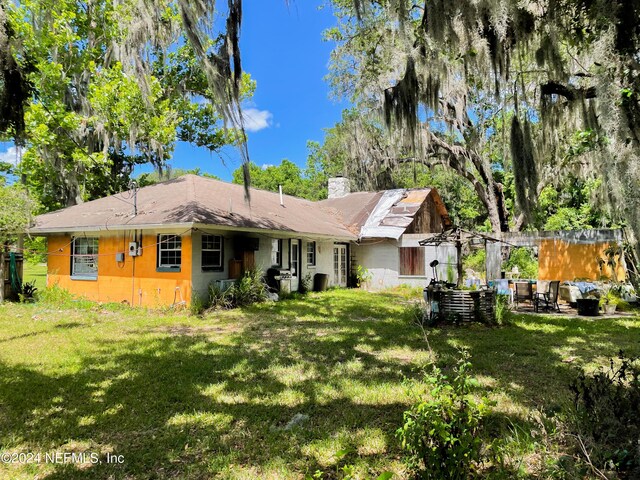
<point>84,258</point>
<point>311,254</point>
<point>212,252</point>
<point>276,252</point>
<point>169,252</point>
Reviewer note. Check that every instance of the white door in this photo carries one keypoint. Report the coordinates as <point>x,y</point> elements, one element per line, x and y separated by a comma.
<point>340,265</point>
<point>294,264</point>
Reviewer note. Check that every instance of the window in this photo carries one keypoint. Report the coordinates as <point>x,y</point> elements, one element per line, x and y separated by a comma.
<point>84,258</point>
<point>212,252</point>
<point>169,252</point>
<point>311,253</point>
<point>276,253</point>
<point>412,261</point>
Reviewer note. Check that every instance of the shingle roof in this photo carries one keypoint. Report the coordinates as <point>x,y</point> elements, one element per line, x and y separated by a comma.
<point>193,199</point>
<point>384,214</point>
<point>353,209</point>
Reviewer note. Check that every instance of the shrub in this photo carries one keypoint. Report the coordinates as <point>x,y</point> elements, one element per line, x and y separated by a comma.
<point>27,292</point>
<point>59,297</point>
<point>198,305</point>
<point>250,289</point>
<point>440,434</point>
<point>362,275</point>
<point>607,414</point>
<point>503,310</point>
<point>219,298</point>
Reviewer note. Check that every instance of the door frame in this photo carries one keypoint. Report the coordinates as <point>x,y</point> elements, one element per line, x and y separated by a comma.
<point>347,267</point>
<point>295,278</point>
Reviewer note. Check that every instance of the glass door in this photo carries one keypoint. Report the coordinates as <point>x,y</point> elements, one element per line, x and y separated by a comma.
<point>294,264</point>
<point>340,265</point>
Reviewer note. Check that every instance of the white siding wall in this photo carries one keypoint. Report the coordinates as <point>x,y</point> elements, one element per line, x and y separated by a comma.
<point>201,280</point>
<point>324,260</point>
<point>382,259</point>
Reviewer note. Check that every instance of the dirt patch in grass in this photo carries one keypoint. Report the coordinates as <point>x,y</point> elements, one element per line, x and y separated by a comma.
<point>197,330</point>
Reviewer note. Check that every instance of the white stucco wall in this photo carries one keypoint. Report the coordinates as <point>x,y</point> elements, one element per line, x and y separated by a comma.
<point>202,279</point>
<point>382,259</point>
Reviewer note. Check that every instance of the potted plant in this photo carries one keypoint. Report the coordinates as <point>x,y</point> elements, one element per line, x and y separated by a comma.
<point>608,302</point>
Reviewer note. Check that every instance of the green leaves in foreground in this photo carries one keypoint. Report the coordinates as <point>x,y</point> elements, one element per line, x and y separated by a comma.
<point>440,434</point>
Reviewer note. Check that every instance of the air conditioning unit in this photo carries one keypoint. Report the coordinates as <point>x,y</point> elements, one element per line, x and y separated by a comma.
<point>225,285</point>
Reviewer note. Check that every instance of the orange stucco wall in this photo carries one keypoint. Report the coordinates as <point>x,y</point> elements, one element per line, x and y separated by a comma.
<point>559,260</point>
<point>135,280</point>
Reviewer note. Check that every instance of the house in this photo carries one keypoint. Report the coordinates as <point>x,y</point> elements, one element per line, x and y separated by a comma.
<point>165,243</point>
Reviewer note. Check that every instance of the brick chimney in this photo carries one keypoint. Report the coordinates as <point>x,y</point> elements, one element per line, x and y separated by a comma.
<point>339,187</point>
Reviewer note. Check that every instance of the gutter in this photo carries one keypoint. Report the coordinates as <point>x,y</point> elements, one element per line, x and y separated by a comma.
<point>182,226</point>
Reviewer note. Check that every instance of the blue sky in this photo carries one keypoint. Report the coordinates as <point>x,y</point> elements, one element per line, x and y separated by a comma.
<point>282,49</point>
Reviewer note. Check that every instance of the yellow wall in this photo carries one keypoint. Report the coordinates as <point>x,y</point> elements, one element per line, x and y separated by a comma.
<point>559,260</point>
<point>118,282</point>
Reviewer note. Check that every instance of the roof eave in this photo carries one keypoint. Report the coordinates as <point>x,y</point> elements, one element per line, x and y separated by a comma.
<point>103,228</point>
<point>186,225</point>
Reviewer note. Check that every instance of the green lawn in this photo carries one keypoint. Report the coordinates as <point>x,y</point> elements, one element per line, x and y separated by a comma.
<point>37,272</point>
<point>187,397</point>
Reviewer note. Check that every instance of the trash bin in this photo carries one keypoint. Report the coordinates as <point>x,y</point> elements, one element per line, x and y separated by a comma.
<point>320,282</point>
<point>588,307</point>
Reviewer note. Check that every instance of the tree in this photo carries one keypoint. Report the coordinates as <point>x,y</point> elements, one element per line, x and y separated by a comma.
<point>288,175</point>
<point>152,178</point>
<point>93,88</point>
<point>544,70</point>
<point>15,215</point>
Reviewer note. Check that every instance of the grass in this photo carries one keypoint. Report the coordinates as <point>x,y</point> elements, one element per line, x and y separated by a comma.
<point>37,272</point>
<point>187,397</point>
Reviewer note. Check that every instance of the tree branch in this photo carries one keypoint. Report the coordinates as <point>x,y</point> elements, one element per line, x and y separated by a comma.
<point>567,91</point>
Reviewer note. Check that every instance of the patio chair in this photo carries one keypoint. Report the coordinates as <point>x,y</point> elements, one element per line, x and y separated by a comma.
<point>541,294</point>
<point>524,292</point>
<point>549,299</point>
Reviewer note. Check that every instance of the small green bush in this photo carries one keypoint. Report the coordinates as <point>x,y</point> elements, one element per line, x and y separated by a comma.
<point>221,299</point>
<point>607,415</point>
<point>250,289</point>
<point>198,305</point>
<point>503,310</point>
<point>28,292</point>
<point>61,298</point>
<point>440,434</point>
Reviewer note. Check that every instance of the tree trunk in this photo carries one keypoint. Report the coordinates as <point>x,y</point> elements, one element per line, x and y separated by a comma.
<point>490,192</point>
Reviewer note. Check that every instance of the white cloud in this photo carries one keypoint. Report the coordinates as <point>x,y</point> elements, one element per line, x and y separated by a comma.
<point>266,165</point>
<point>256,120</point>
<point>10,156</point>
